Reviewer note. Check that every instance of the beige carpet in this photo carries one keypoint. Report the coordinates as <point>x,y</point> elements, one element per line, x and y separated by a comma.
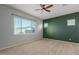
<point>44,47</point>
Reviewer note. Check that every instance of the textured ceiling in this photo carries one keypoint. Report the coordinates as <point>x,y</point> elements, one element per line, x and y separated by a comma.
<point>57,9</point>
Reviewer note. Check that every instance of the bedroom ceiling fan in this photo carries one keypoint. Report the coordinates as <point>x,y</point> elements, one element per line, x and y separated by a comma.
<point>45,7</point>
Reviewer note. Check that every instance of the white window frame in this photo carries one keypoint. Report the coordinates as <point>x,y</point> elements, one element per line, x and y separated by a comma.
<point>27,31</point>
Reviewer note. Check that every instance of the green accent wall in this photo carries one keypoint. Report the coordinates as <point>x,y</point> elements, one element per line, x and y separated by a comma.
<point>58,29</point>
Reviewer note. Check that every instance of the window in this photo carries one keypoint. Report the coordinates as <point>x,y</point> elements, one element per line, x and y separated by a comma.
<point>71,22</point>
<point>23,26</point>
<point>45,25</point>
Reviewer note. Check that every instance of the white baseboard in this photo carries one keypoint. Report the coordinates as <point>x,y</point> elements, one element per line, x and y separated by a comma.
<point>17,44</point>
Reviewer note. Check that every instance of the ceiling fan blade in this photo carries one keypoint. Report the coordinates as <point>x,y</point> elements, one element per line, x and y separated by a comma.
<point>49,6</point>
<point>38,9</point>
<point>47,10</point>
<point>42,5</point>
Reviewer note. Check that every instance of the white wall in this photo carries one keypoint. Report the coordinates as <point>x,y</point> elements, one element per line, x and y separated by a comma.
<point>7,37</point>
